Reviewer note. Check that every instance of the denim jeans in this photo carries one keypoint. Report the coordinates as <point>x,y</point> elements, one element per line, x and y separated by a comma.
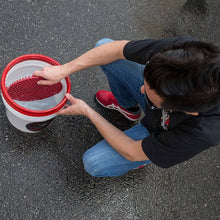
<point>125,79</point>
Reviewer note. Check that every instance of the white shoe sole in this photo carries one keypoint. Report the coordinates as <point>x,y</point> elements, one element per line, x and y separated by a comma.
<point>116,109</point>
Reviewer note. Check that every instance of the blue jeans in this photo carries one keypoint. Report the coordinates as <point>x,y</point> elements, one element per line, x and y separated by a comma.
<point>125,79</point>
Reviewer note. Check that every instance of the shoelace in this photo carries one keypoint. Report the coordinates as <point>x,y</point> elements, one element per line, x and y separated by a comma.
<point>113,106</point>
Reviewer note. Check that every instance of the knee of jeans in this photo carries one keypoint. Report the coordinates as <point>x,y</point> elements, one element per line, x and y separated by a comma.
<point>103,41</point>
<point>92,165</point>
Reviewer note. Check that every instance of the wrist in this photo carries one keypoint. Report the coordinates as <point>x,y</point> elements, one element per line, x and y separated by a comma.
<point>65,70</point>
<point>88,111</point>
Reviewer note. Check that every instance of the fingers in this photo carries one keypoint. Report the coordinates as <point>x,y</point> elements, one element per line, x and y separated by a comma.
<point>41,73</point>
<point>70,98</point>
<point>44,82</point>
<point>66,110</point>
<point>37,73</point>
<point>62,112</point>
<point>77,106</point>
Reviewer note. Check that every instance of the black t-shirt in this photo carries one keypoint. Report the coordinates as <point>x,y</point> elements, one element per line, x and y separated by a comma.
<point>185,135</point>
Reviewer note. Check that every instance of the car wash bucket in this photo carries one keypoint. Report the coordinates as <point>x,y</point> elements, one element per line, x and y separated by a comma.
<point>31,116</point>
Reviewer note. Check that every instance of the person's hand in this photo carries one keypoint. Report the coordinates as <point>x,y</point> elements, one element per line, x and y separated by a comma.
<point>77,107</point>
<point>51,74</point>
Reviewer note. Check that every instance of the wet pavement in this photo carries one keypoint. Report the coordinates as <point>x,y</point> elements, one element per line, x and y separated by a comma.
<point>41,175</point>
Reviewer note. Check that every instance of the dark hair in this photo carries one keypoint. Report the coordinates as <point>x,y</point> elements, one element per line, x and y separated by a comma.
<point>187,76</point>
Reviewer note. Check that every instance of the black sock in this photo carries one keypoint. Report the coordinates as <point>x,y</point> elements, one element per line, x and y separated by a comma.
<point>134,109</point>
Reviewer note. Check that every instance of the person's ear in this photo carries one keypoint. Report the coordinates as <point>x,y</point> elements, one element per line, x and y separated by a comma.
<point>142,89</point>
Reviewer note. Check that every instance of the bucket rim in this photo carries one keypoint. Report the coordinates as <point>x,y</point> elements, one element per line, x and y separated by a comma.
<point>21,109</point>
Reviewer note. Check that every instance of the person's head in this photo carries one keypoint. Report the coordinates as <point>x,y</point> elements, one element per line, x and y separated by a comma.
<point>185,77</point>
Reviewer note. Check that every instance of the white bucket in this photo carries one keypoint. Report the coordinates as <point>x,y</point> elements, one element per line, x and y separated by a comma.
<point>32,116</point>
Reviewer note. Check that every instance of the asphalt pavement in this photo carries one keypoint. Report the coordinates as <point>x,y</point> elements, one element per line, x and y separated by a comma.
<point>42,175</point>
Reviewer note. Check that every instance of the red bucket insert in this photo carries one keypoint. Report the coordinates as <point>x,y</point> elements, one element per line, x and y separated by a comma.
<point>6,93</point>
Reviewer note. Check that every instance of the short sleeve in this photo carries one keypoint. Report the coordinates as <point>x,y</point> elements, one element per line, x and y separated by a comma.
<point>188,138</point>
<point>169,148</point>
<point>141,51</point>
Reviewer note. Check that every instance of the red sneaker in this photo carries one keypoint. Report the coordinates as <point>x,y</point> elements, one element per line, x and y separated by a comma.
<point>107,100</point>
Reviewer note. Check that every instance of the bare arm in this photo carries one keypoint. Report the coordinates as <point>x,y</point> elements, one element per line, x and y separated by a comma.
<point>126,146</point>
<point>101,55</point>
<point>104,54</point>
